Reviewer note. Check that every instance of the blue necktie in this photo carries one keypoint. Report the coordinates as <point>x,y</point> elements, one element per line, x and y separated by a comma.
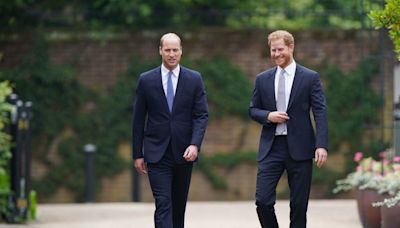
<point>170,91</point>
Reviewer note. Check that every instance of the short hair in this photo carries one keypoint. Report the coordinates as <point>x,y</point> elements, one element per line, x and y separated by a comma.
<point>281,34</point>
<point>169,35</point>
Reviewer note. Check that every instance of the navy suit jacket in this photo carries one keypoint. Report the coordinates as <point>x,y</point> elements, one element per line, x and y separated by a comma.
<point>306,95</point>
<point>155,127</point>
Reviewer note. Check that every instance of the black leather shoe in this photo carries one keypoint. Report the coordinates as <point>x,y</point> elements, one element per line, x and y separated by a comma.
<point>267,217</point>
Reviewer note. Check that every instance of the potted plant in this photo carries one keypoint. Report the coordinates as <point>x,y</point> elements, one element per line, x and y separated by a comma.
<point>366,180</point>
<point>390,189</point>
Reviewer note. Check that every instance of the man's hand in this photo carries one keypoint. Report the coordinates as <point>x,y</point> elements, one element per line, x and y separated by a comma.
<point>191,153</point>
<point>277,117</point>
<point>140,166</point>
<point>321,155</point>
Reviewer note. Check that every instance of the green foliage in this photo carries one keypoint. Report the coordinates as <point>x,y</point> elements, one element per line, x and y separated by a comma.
<point>122,13</point>
<point>352,106</point>
<point>118,100</point>
<point>208,170</point>
<point>32,210</point>
<point>228,88</point>
<point>389,17</point>
<point>5,146</point>
<point>269,14</point>
<point>5,109</point>
<point>207,164</point>
<point>4,191</point>
<point>325,177</point>
<point>232,159</point>
<point>62,123</point>
<point>302,14</point>
<point>50,87</point>
<point>67,116</point>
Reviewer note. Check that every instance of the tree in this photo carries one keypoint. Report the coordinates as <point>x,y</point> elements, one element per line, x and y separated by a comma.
<point>389,17</point>
<point>297,14</point>
<point>98,14</point>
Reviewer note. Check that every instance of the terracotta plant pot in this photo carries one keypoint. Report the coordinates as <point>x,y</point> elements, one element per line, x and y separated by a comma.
<point>390,216</point>
<point>370,216</point>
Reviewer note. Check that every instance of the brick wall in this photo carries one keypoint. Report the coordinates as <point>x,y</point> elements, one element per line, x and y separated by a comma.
<point>99,63</point>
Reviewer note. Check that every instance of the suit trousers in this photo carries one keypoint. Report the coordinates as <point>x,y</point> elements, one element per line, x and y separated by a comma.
<point>169,183</point>
<point>270,170</point>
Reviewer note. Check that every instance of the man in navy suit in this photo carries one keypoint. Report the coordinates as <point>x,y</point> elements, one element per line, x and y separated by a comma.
<point>169,121</point>
<point>282,99</point>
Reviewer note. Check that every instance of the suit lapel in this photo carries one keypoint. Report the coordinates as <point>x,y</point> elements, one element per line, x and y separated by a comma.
<point>298,78</point>
<point>160,88</point>
<point>270,86</point>
<point>179,87</point>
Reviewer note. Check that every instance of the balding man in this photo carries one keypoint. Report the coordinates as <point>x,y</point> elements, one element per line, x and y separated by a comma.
<point>170,117</point>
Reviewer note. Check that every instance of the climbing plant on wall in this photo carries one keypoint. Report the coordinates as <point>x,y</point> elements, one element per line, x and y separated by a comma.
<point>228,88</point>
<point>62,122</point>
<point>353,108</point>
<point>67,115</point>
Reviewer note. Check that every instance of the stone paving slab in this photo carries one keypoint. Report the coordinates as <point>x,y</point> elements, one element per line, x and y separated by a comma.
<point>234,214</point>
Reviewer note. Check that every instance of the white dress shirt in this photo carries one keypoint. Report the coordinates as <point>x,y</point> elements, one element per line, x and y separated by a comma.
<point>289,73</point>
<point>164,77</point>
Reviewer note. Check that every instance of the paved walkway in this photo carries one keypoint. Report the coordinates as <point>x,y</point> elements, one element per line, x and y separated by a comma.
<point>242,214</point>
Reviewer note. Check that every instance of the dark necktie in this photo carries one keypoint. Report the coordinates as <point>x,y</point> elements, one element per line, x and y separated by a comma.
<point>170,91</point>
<point>281,101</point>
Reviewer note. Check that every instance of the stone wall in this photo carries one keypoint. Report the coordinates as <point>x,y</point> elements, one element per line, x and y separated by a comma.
<point>99,63</point>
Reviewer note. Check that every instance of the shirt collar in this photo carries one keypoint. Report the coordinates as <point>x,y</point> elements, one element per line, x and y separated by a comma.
<point>165,71</point>
<point>290,69</point>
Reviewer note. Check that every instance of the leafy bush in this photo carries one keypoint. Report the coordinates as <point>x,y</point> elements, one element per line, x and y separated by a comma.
<point>5,146</point>
<point>390,19</point>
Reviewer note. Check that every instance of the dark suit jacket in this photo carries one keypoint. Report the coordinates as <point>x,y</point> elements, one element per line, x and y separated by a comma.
<point>306,94</point>
<point>154,127</point>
